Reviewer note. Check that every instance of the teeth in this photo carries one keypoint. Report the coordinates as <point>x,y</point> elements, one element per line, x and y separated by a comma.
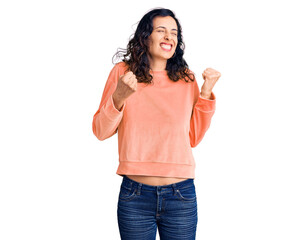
<point>165,46</point>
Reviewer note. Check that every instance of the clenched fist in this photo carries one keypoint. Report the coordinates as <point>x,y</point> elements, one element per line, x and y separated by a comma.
<point>210,77</point>
<point>126,85</point>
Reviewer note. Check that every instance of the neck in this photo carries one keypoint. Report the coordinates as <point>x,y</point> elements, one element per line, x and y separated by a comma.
<point>157,64</point>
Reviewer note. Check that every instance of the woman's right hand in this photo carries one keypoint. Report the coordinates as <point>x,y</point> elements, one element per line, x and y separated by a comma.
<point>126,85</point>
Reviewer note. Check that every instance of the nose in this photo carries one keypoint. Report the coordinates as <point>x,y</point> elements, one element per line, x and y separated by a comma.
<point>167,36</point>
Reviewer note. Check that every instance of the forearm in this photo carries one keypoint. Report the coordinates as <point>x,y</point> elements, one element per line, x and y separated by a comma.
<point>117,101</point>
<point>201,118</point>
<point>107,119</point>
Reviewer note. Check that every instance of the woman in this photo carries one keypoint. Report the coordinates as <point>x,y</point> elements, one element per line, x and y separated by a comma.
<point>152,100</point>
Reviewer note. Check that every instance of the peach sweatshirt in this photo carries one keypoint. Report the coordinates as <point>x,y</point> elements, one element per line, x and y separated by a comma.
<point>157,125</point>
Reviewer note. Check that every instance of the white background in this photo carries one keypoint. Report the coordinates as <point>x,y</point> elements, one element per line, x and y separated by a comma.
<point>58,181</point>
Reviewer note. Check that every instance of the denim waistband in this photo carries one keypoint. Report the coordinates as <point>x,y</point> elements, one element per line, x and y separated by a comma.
<point>131,183</point>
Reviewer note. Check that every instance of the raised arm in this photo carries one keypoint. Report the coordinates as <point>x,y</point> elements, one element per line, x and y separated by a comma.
<point>204,106</point>
<point>107,118</point>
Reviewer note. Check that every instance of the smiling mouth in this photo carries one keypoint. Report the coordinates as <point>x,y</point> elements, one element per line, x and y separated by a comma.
<point>166,47</point>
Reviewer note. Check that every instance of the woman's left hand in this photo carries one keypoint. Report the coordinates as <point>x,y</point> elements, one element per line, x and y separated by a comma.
<point>210,77</point>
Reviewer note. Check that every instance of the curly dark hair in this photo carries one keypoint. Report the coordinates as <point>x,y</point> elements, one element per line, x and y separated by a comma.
<point>135,56</point>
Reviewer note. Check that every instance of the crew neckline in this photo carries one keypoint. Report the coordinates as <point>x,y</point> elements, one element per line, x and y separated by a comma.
<point>159,71</point>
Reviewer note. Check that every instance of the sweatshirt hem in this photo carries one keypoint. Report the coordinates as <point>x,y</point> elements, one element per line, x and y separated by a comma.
<point>156,169</point>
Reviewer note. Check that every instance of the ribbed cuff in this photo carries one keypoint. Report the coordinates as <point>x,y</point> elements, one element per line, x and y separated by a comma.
<point>205,104</point>
<point>110,110</point>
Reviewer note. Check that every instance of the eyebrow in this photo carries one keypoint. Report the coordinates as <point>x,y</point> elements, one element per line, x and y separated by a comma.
<point>165,28</point>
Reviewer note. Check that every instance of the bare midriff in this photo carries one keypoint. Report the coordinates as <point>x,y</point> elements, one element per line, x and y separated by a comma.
<point>155,181</point>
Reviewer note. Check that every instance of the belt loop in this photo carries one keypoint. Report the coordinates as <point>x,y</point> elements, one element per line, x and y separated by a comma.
<point>174,188</point>
<point>139,188</point>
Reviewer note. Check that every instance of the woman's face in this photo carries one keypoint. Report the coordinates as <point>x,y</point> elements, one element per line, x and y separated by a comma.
<point>163,39</point>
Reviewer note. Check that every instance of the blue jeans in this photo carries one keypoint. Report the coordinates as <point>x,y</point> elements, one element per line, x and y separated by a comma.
<point>142,208</point>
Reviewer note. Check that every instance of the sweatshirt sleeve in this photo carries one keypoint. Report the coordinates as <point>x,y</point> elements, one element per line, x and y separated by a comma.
<point>107,118</point>
<point>202,113</point>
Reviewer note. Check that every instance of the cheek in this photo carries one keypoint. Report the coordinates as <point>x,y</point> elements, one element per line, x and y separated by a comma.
<point>176,45</point>
<point>154,46</point>
<point>150,44</point>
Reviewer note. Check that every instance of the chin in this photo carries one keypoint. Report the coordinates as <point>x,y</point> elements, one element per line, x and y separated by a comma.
<point>168,57</point>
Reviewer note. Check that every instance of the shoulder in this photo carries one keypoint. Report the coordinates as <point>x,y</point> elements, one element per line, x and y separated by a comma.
<point>121,66</point>
<point>117,70</point>
<point>193,76</point>
<point>189,71</point>
<point>190,75</point>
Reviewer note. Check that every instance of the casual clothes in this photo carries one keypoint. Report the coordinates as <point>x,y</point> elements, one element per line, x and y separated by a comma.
<point>157,125</point>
